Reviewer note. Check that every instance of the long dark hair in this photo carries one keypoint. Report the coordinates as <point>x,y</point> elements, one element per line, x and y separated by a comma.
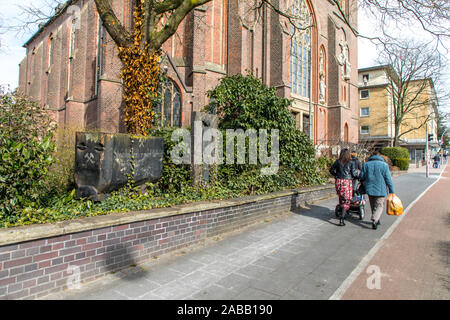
<point>345,156</point>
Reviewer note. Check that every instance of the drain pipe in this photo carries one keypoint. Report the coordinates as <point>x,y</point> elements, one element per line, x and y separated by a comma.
<point>311,135</point>
<point>264,32</point>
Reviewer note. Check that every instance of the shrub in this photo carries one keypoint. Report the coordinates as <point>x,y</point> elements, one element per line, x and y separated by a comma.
<point>388,160</point>
<point>403,164</point>
<point>398,156</point>
<point>26,153</point>
<point>324,164</point>
<point>61,174</point>
<point>244,102</point>
<point>175,178</point>
<point>395,153</point>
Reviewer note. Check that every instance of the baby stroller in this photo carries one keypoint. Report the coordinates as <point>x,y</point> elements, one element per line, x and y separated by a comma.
<point>358,202</point>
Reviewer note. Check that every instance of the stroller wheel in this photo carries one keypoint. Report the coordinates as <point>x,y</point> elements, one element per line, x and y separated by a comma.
<point>361,212</point>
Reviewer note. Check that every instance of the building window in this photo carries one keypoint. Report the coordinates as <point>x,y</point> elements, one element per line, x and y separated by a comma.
<point>365,78</point>
<point>72,39</point>
<point>306,124</point>
<point>296,117</point>
<point>364,130</point>
<point>365,112</point>
<point>170,108</point>
<point>301,50</point>
<point>364,94</point>
<point>50,51</point>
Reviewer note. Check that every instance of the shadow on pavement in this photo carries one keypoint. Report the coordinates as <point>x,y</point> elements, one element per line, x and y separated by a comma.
<point>122,264</point>
<point>328,215</point>
<point>444,250</point>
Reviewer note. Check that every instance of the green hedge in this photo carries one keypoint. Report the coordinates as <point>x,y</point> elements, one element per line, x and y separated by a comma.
<point>26,149</point>
<point>403,164</point>
<point>398,155</point>
<point>395,153</point>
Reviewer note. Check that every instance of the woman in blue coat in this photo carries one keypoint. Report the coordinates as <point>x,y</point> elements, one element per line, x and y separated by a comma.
<point>378,184</point>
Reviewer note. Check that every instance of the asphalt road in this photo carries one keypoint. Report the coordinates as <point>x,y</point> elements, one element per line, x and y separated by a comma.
<point>301,255</point>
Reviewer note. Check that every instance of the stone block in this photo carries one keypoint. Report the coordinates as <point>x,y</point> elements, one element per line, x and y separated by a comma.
<point>105,162</point>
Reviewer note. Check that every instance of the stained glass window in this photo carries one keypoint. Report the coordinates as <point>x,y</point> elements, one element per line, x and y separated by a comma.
<point>301,49</point>
<point>171,107</point>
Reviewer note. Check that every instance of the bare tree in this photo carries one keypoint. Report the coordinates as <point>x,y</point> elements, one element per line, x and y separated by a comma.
<point>32,15</point>
<point>413,71</point>
<point>159,20</point>
<point>443,128</point>
<point>432,15</point>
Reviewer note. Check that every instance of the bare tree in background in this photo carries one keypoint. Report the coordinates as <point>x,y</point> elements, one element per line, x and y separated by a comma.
<point>32,14</point>
<point>432,15</point>
<point>415,71</point>
<point>162,18</point>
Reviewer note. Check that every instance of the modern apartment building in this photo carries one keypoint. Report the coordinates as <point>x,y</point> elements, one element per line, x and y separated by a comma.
<point>377,108</point>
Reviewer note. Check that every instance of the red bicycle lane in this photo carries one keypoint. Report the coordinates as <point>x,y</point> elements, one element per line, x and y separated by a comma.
<point>413,262</point>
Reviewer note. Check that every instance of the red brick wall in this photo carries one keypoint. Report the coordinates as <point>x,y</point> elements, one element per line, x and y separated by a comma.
<point>210,43</point>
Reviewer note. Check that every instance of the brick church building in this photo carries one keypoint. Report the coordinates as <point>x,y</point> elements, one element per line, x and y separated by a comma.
<point>72,65</point>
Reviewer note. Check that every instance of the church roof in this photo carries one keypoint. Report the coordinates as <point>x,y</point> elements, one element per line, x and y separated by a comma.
<point>59,10</point>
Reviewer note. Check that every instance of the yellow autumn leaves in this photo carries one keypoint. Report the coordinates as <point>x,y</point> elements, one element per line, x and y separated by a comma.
<point>140,75</point>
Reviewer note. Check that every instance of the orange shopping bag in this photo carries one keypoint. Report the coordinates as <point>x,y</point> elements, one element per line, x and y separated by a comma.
<point>394,206</point>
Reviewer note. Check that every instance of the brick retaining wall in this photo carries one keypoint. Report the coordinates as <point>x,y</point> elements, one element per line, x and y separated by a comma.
<point>38,260</point>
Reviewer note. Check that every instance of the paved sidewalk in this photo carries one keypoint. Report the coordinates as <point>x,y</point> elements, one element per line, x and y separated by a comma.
<point>414,260</point>
<point>431,170</point>
<point>301,255</point>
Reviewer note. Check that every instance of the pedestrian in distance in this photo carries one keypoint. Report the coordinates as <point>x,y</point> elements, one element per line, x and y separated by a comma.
<point>344,171</point>
<point>378,184</point>
<point>437,161</point>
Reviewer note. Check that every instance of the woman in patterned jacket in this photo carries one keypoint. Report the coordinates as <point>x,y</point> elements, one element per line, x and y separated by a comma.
<point>344,171</point>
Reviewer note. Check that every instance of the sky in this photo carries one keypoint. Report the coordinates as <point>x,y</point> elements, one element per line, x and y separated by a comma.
<point>12,51</point>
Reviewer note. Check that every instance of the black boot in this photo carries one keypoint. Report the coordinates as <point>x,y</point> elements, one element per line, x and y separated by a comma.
<point>342,218</point>
<point>375,224</point>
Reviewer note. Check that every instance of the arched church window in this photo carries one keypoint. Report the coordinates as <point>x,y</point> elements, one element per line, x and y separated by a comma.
<point>301,49</point>
<point>169,110</point>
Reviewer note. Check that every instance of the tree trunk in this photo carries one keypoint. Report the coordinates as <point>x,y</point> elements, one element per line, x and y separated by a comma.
<point>396,135</point>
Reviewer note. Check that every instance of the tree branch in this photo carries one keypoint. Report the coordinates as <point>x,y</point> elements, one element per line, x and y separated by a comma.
<point>116,30</point>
